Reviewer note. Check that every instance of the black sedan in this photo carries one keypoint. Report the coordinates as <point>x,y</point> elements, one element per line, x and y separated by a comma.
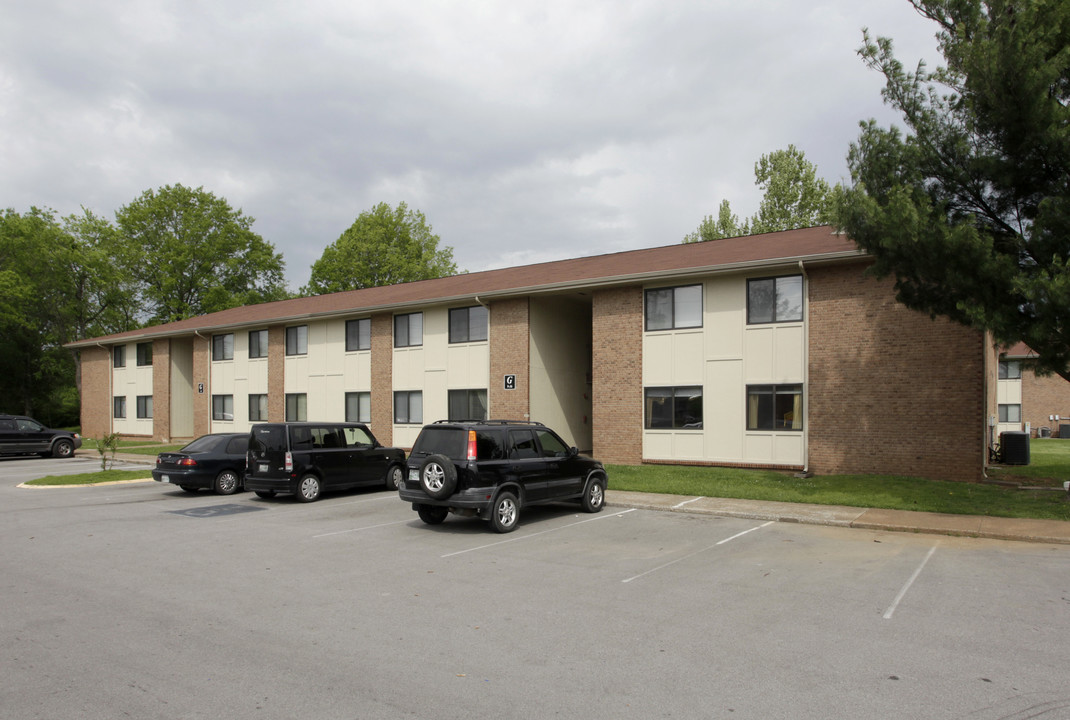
<point>216,462</point>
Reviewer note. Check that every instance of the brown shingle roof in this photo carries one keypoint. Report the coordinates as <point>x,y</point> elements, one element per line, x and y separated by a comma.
<point>818,243</point>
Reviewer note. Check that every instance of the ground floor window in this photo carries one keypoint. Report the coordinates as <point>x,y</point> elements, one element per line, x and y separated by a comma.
<point>468,405</point>
<point>296,407</point>
<point>1010,413</point>
<point>673,407</point>
<point>118,407</point>
<point>774,407</point>
<point>144,406</point>
<point>408,407</point>
<point>222,407</point>
<point>258,409</point>
<point>359,407</point>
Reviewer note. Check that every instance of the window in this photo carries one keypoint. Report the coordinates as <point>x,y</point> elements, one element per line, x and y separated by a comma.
<point>774,407</point>
<point>118,407</point>
<point>144,354</point>
<point>118,356</point>
<point>258,343</point>
<point>359,407</point>
<point>467,405</point>
<point>297,340</point>
<point>223,347</point>
<point>1010,413</point>
<point>409,407</point>
<point>673,407</point>
<point>671,308</point>
<point>358,334</point>
<point>552,446</point>
<point>258,409</point>
<point>222,407</point>
<point>144,406</point>
<point>773,300</point>
<point>468,324</point>
<point>523,444</point>
<point>296,407</point>
<point>409,330</point>
<point>1010,370</point>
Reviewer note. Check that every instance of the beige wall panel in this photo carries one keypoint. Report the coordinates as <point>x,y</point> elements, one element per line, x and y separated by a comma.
<point>726,305</point>
<point>758,448</point>
<point>298,370</point>
<point>468,366</point>
<point>560,359</point>
<point>358,371</point>
<point>1009,392</point>
<point>758,354</point>
<point>182,388</point>
<point>723,412</point>
<point>257,376</point>
<point>657,445</point>
<point>688,365</point>
<point>789,356</point>
<point>788,449</point>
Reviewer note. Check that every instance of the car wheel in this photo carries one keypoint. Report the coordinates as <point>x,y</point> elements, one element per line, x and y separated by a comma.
<point>431,514</point>
<point>504,513</point>
<point>226,483</point>
<point>189,488</point>
<point>308,490</point>
<point>394,476</point>
<point>63,449</point>
<point>594,499</point>
<point>265,494</point>
<point>438,477</point>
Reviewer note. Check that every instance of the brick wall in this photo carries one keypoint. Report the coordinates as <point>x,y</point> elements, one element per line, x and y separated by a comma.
<point>1043,396</point>
<point>276,373</point>
<point>891,390</point>
<point>95,366</point>
<point>510,354</point>
<point>617,412</point>
<point>161,390</point>
<point>202,402</point>
<point>383,378</point>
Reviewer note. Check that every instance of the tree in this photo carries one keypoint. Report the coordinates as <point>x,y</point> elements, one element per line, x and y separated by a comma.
<point>794,197</point>
<point>192,254</point>
<point>970,210</point>
<point>384,246</point>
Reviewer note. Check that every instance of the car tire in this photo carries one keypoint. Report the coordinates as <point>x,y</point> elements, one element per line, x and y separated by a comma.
<point>308,488</point>
<point>394,477</point>
<point>190,489</point>
<point>432,514</point>
<point>63,449</point>
<point>438,477</point>
<point>504,513</point>
<point>265,494</point>
<point>594,496</point>
<point>226,483</point>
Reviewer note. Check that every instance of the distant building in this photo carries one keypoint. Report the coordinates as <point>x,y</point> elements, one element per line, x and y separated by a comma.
<point>773,350</point>
<point>1027,401</point>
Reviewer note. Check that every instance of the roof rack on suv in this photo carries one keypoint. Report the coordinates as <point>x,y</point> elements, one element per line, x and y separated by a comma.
<point>487,422</point>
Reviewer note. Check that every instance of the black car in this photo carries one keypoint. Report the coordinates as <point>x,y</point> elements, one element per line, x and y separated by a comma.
<point>21,435</point>
<point>308,458</point>
<point>215,462</point>
<point>491,469</point>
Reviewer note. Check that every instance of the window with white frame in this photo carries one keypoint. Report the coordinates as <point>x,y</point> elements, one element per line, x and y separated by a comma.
<point>672,408</point>
<point>359,407</point>
<point>673,308</point>
<point>358,334</point>
<point>408,407</point>
<point>409,330</point>
<point>468,324</point>
<point>774,407</point>
<point>775,299</point>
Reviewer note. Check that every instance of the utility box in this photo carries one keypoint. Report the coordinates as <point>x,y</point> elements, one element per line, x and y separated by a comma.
<point>1014,447</point>
<point>1064,431</point>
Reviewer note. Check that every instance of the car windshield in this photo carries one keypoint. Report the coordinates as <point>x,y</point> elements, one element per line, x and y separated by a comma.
<point>201,444</point>
<point>449,441</point>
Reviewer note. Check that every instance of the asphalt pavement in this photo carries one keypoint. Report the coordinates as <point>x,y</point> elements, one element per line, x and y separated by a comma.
<point>997,528</point>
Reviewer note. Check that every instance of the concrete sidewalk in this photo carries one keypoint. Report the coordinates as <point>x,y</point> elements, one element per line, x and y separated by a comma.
<point>1027,530</point>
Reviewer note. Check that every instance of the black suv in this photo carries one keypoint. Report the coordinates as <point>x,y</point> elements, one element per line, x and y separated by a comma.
<point>493,468</point>
<point>23,435</point>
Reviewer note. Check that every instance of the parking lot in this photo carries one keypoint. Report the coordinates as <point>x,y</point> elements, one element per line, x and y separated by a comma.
<point>142,601</point>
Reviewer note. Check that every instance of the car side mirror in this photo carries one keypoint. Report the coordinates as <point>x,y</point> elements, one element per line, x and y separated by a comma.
<point>573,452</point>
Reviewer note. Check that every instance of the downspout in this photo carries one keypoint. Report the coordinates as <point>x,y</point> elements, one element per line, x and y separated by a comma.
<point>111,380</point>
<point>806,374</point>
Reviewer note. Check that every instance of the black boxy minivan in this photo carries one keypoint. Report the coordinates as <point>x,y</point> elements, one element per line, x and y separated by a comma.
<point>308,458</point>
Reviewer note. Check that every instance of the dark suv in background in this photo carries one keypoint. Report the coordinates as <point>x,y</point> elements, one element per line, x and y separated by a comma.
<point>21,435</point>
<point>491,469</point>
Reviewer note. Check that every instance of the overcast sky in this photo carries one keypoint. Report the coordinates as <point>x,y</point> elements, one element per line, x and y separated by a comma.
<point>526,130</point>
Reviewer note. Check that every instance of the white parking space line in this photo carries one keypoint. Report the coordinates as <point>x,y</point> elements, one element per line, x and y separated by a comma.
<point>686,502</point>
<point>697,552</point>
<point>366,527</point>
<point>903,592</point>
<point>536,534</point>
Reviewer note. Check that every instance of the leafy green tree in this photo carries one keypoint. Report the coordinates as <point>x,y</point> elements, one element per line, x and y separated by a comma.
<point>794,197</point>
<point>969,211</point>
<point>192,254</point>
<point>384,246</point>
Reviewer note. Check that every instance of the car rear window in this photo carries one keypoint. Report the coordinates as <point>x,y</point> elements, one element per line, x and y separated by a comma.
<point>268,438</point>
<point>201,444</point>
<point>449,441</point>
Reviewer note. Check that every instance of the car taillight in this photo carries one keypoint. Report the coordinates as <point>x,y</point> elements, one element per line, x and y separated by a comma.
<point>187,461</point>
<point>289,462</point>
<point>471,445</point>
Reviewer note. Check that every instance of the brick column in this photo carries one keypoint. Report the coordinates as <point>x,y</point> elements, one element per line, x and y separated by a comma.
<point>161,390</point>
<point>382,361</point>
<point>202,373</point>
<point>617,343</point>
<point>276,373</point>
<point>95,367</point>
<point>510,354</point>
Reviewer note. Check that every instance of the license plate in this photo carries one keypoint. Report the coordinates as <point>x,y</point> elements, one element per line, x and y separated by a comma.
<point>165,478</point>
<point>263,468</point>
<point>414,475</point>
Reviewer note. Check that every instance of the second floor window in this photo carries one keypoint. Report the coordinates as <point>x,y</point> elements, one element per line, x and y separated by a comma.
<point>358,334</point>
<point>258,343</point>
<point>118,357</point>
<point>223,347</point>
<point>468,324</point>
<point>408,330</point>
<point>297,340</point>
<point>775,300</point>
<point>673,308</point>
<point>144,354</point>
